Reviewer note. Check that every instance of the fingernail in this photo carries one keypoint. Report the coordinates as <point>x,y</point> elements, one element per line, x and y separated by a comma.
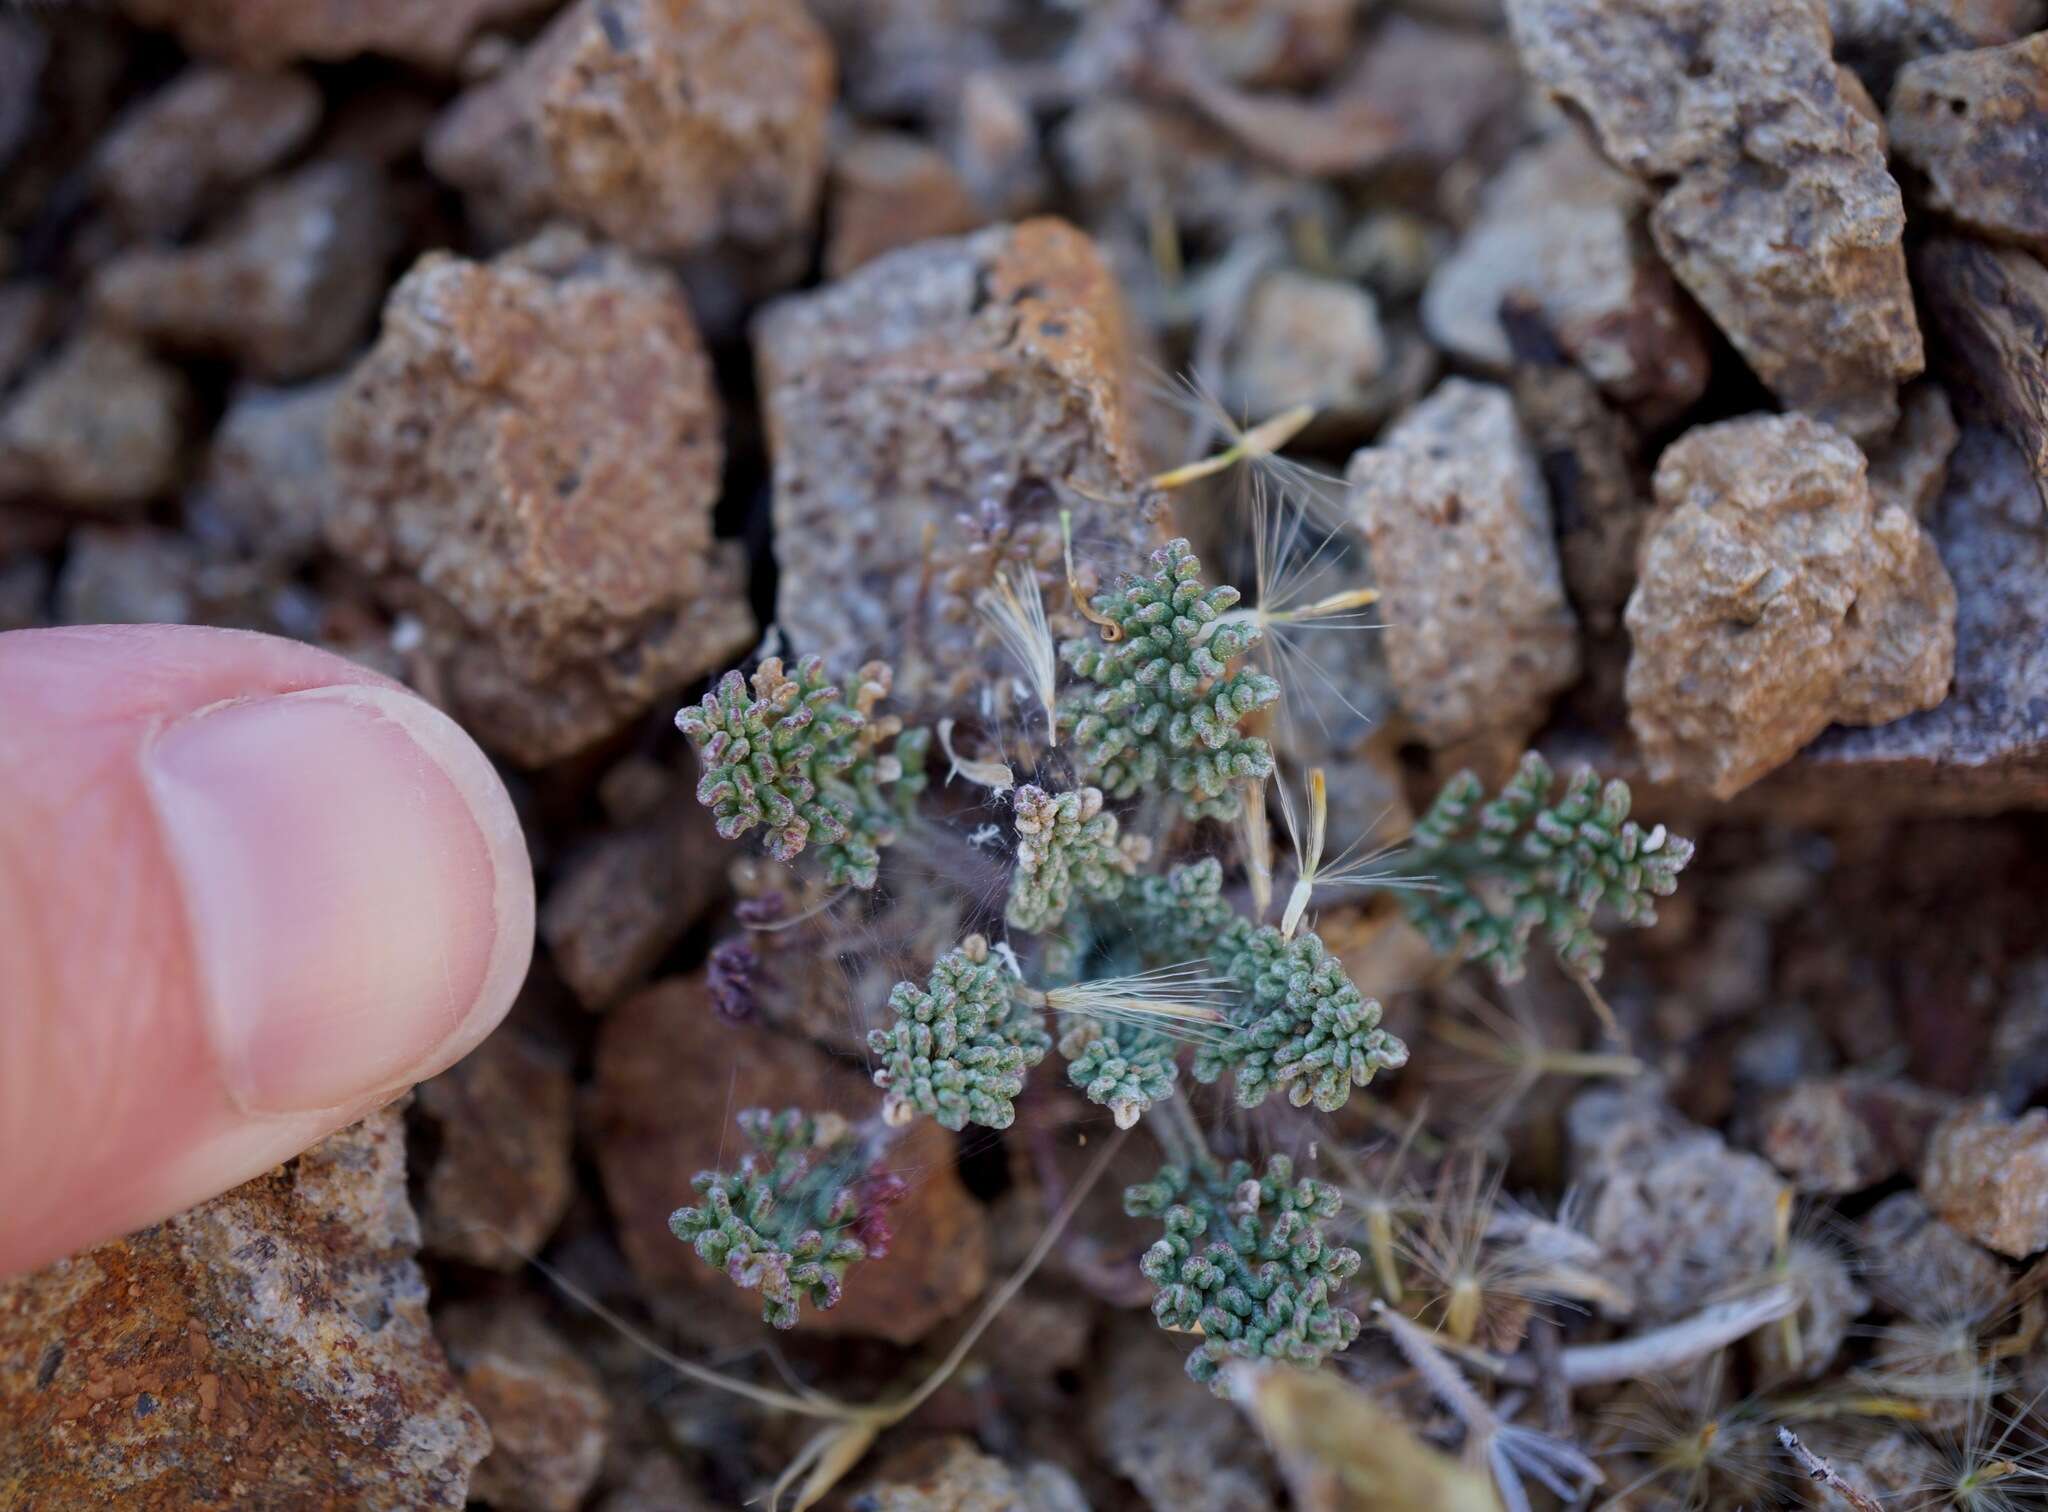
<point>356,886</point>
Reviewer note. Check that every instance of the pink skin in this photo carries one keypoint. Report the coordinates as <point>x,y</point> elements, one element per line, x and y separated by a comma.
<point>248,892</point>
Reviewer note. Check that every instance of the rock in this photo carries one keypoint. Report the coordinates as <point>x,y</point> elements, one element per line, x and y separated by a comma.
<point>951,1475</point>
<point>286,288</point>
<point>670,1075</point>
<point>1314,341</point>
<point>547,1411</point>
<point>1987,1177</point>
<point>2018,1058</point>
<point>24,593</point>
<point>1561,230</point>
<point>1975,125</point>
<point>1287,44</point>
<point>1922,1267</point>
<point>992,140</point>
<point>1452,506</point>
<point>210,130</point>
<point>269,1348</point>
<point>1677,1214</point>
<point>28,314</point>
<point>655,1484</point>
<point>1830,1302</point>
<point>1909,467</point>
<point>1841,1134</point>
<point>262,33</point>
<point>622,901</point>
<point>970,389</point>
<point>268,486</point>
<point>23,52</point>
<point>909,57</point>
<point>1419,97</point>
<point>534,445</point>
<point>1184,1448</point>
<point>1876,36</point>
<point>128,576</point>
<point>891,190</point>
<point>1774,208</point>
<point>1587,451</point>
<point>1775,597</point>
<point>500,1177</point>
<point>99,427</point>
<point>668,125</point>
<point>1988,307</point>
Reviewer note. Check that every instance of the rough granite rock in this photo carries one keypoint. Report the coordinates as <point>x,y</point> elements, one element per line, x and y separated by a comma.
<point>1587,450</point>
<point>667,125</point>
<point>1841,1134</point>
<point>1419,97</point>
<point>98,427</point>
<point>951,1475</point>
<point>29,311</point>
<point>1975,126</point>
<point>547,1410</point>
<point>208,131</point>
<point>500,1176</point>
<point>263,33</point>
<point>286,288</point>
<point>1988,309</point>
<point>532,450</point>
<point>1987,1177</point>
<point>619,903</point>
<point>1777,596</point>
<point>269,1348</point>
<point>24,49</point>
<point>1921,1266</point>
<point>910,57</point>
<point>1562,231</point>
<point>1282,44</point>
<point>1875,37</point>
<point>129,575</point>
<point>267,487</point>
<point>888,190</point>
<point>1677,1214</point>
<point>1775,209</point>
<point>965,390</point>
<point>1909,467</point>
<point>1452,505</point>
<point>1310,340</point>
<point>671,1074</point>
<point>1184,1448</point>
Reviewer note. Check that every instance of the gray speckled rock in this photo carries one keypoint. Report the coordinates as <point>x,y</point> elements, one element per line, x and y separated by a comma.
<point>1479,635</point>
<point>1775,208</point>
<point>208,131</point>
<point>1562,230</point>
<point>269,1348</point>
<point>1975,125</point>
<point>99,426</point>
<point>929,417</point>
<point>1988,308</point>
<point>1776,596</point>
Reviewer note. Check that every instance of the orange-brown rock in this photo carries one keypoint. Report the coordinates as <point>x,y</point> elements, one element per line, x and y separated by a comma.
<point>528,458</point>
<point>548,1414</point>
<point>500,1177</point>
<point>670,1077</point>
<point>890,190</point>
<point>944,404</point>
<point>269,1348</point>
<point>1777,596</point>
<point>667,125</point>
<point>1975,127</point>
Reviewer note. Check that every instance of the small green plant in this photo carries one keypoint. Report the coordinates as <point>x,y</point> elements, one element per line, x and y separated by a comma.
<point>1499,869</point>
<point>804,1206</point>
<point>792,755</point>
<point>1244,1263</point>
<point>1140,971</point>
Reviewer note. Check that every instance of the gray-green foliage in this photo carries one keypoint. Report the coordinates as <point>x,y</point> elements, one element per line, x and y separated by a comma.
<point>1306,1028</point>
<point>1164,707</point>
<point>1302,1026</point>
<point>1500,869</point>
<point>780,1223</point>
<point>1121,1067</point>
<point>1066,844</point>
<point>1244,1261</point>
<point>793,755</point>
<point>959,1046</point>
